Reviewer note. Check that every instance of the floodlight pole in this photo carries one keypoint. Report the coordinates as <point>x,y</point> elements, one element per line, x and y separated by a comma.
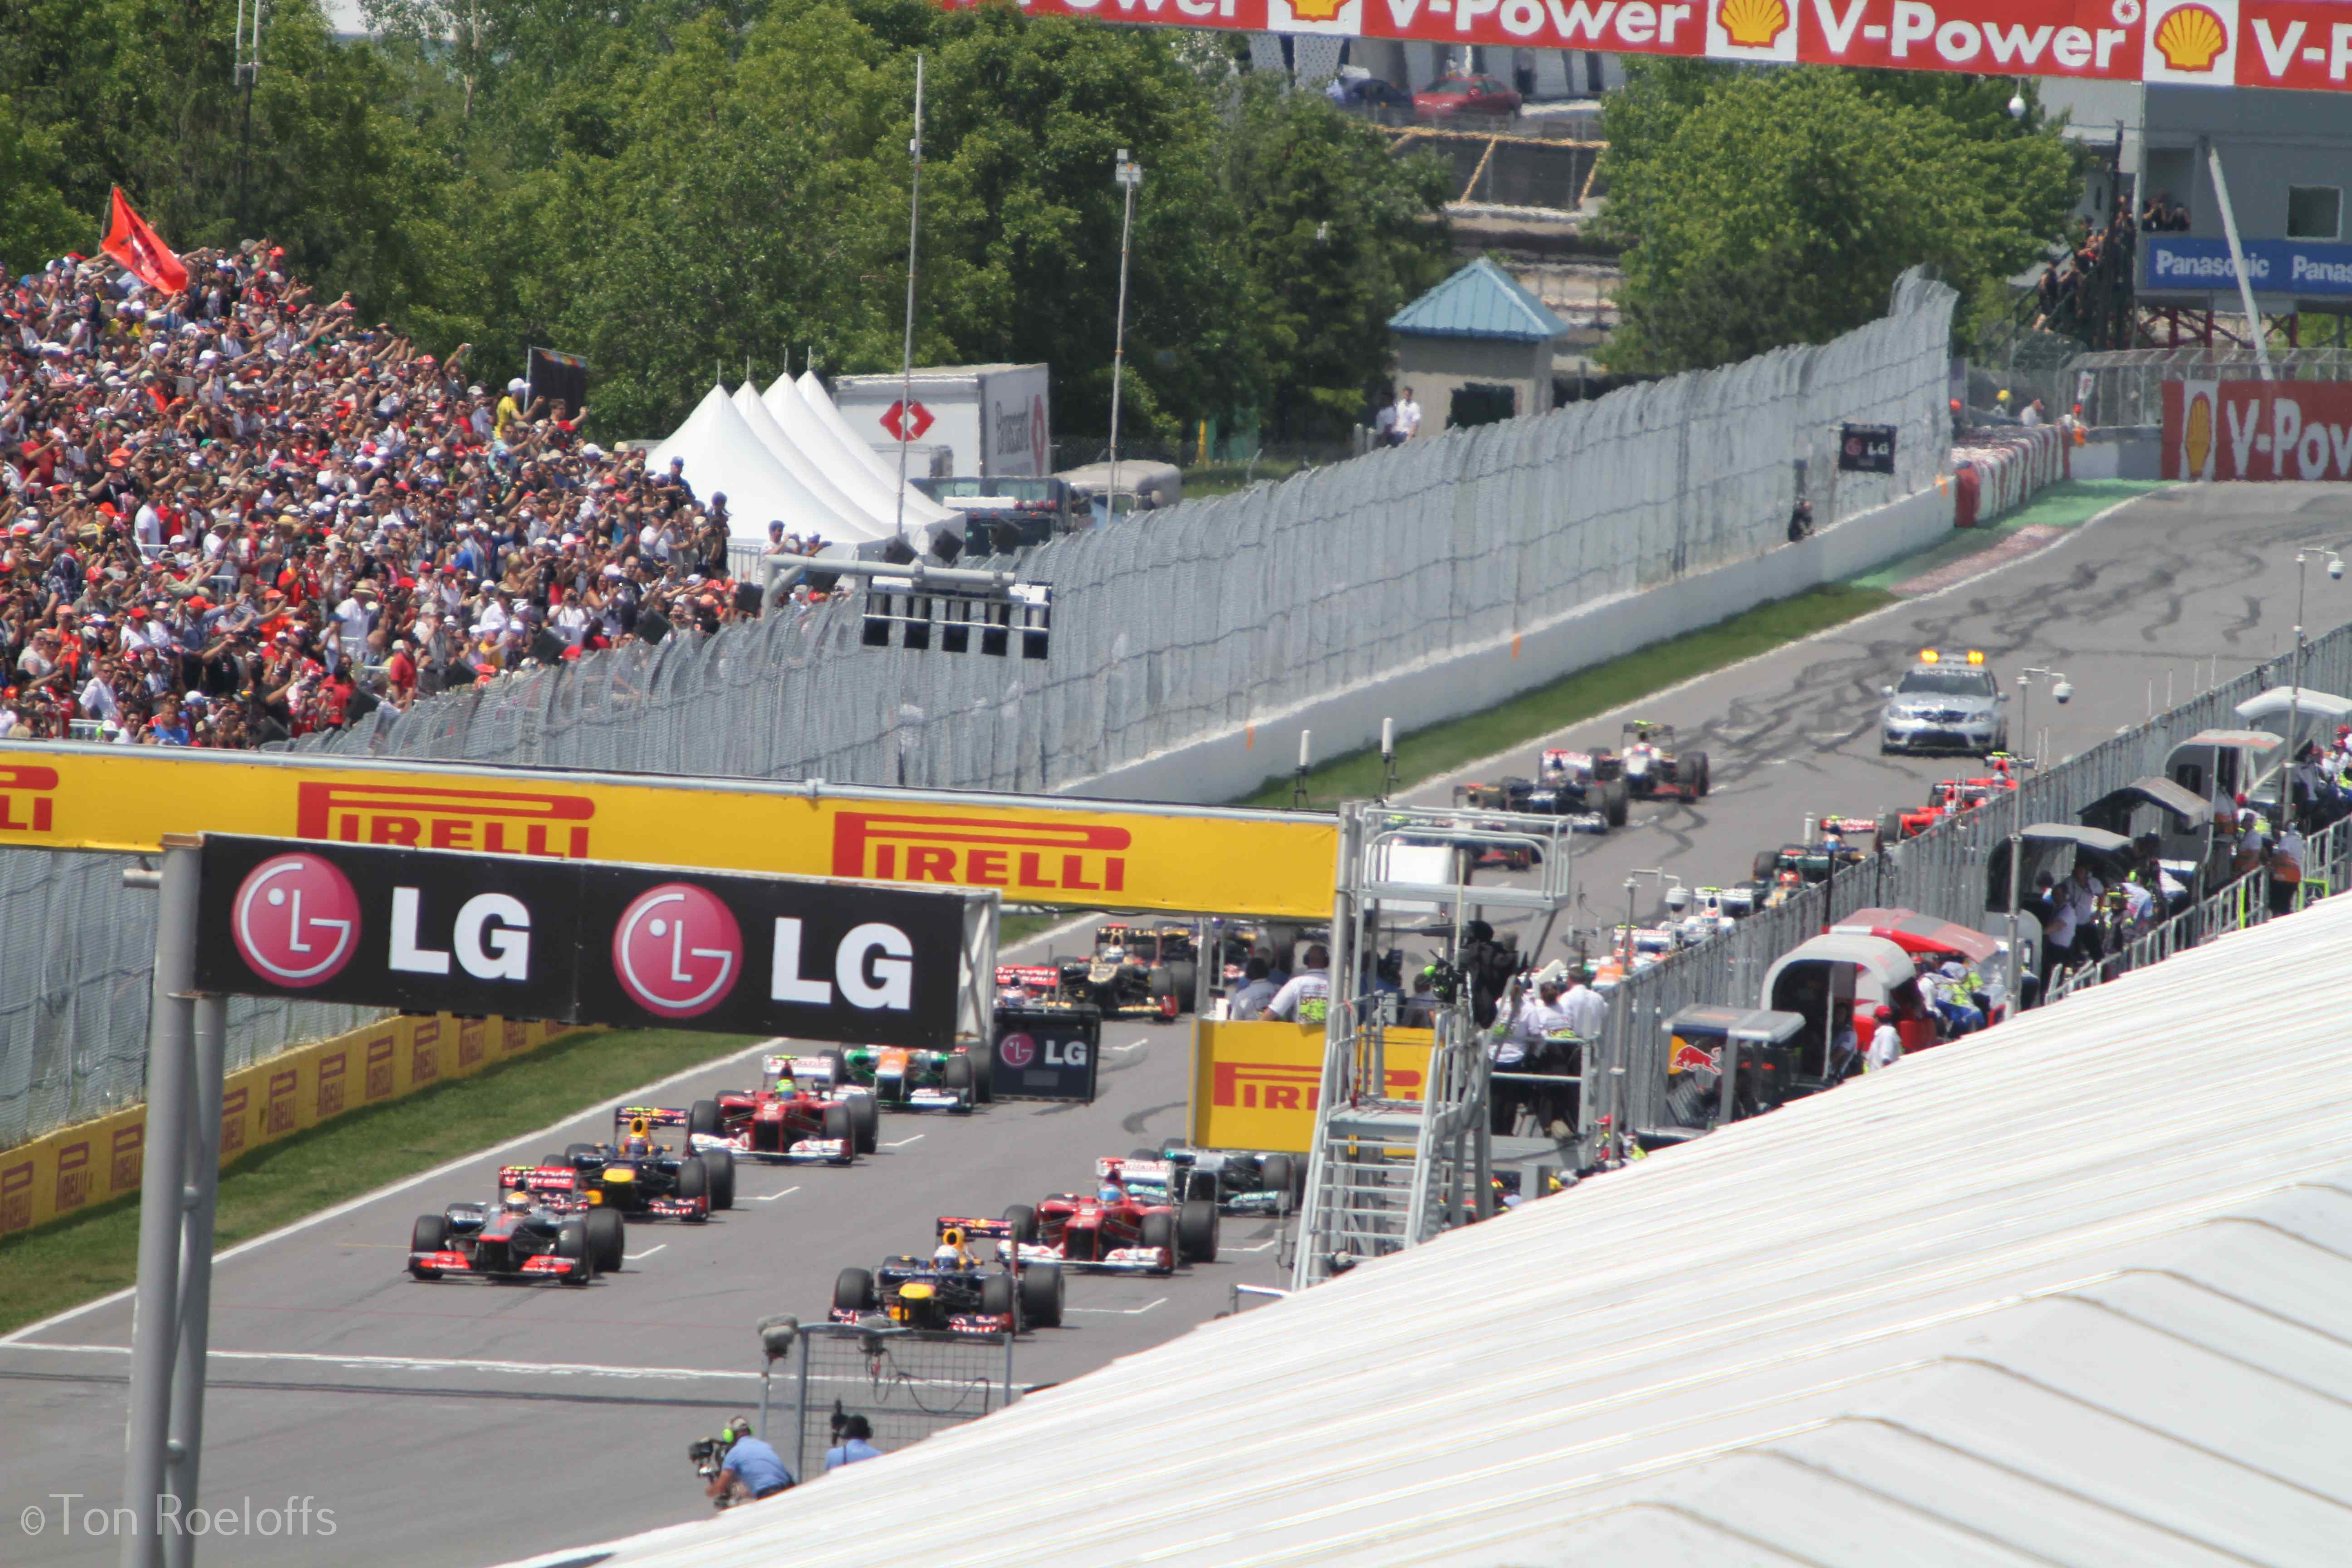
<point>906,354</point>
<point>1128,175</point>
<point>2017,839</point>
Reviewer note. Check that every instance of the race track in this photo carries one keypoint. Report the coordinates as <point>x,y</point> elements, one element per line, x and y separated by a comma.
<point>422,1416</point>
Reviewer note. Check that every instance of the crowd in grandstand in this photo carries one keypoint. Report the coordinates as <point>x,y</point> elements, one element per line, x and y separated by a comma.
<point>235,514</point>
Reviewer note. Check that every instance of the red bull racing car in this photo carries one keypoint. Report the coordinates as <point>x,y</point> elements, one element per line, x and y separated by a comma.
<point>637,1175</point>
<point>954,1289</point>
<point>530,1234</point>
<point>799,1119</point>
<point>1115,1231</point>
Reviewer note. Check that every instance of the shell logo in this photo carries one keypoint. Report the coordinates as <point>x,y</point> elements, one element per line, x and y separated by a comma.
<point>1315,11</point>
<point>1752,24</point>
<point>2197,439</point>
<point>2190,39</point>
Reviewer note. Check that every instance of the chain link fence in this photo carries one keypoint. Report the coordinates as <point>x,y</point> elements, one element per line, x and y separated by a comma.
<point>2126,386</point>
<point>1940,873</point>
<point>905,1382</point>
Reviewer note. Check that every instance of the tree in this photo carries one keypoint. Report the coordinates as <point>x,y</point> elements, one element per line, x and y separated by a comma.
<point>35,223</point>
<point>1761,209</point>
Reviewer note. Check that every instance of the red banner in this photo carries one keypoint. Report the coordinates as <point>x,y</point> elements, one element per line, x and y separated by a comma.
<point>2208,43</point>
<point>2257,431</point>
<point>132,242</point>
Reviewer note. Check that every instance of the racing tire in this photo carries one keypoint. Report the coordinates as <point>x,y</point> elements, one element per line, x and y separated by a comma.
<point>997,1299</point>
<point>1041,1291</point>
<point>1167,1006</point>
<point>1615,802</point>
<point>1186,976</point>
<point>608,1239</point>
<point>1159,1230</point>
<point>1022,1218</point>
<point>1280,1175</point>
<point>956,1078</point>
<point>1890,829</point>
<point>693,1177</point>
<point>837,1062</point>
<point>555,1160</point>
<point>983,1074</point>
<point>841,1127</point>
<point>573,1152</point>
<point>571,1242</point>
<point>431,1234</point>
<point>864,1122</point>
<point>1768,864</point>
<point>719,1166</point>
<point>1196,1232</point>
<point>703,1119</point>
<point>1702,778</point>
<point>853,1290</point>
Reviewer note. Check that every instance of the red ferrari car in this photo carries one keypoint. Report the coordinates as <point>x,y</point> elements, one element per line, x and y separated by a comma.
<point>800,1118</point>
<point>1459,94</point>
<point>1114,1232</point>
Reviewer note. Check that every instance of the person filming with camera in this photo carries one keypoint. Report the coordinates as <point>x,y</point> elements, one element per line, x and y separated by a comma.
<point>748,1469</point>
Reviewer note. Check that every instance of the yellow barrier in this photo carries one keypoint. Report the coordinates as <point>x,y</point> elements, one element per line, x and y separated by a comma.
<point>75,1168</point>
<point>1088,855</point>
<point>1256,1086</point>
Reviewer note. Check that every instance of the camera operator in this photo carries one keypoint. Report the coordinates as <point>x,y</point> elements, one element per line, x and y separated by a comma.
<point>748,1470</point>
<point>1525,1044</point>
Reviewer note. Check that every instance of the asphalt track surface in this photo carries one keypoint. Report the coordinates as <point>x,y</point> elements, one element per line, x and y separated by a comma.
<point>463,1423</point>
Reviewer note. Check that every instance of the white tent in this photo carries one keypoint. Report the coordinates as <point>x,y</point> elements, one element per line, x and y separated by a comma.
<point>811,476</point>
<point>723,457</point>
<point>2077,1289</point>
<point>820,402</point>
<point>832,446</point>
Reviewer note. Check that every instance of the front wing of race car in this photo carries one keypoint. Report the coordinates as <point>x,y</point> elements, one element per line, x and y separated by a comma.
<point>1117,1260</point>
<point>801,1152</point>
<point>440,1265</point>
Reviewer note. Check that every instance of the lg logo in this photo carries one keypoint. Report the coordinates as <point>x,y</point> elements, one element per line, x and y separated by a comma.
<point>297,921</point>
<point>1019,1051</point>
<point>678,951</point>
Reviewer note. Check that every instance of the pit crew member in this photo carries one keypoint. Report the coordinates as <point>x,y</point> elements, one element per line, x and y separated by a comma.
<point>1308,998</point>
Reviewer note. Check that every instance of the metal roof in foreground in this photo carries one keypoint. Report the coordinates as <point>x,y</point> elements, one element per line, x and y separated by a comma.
<point>2078,1292</point>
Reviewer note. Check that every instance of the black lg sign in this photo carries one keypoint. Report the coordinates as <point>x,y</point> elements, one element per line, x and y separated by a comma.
<point>432,931</point>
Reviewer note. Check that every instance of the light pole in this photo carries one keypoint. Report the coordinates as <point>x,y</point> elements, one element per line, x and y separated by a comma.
<point>2063,690</point>
<point>906,354</point>
<point>1128,175</point>
<point>2302,557</point>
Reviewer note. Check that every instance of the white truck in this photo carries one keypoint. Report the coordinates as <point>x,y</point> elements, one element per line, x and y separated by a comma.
<point>983,421</point>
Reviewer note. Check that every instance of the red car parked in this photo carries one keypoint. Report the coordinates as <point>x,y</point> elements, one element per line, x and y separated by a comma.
<point>1464,94</point>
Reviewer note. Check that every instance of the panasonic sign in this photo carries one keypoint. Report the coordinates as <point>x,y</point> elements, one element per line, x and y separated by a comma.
<point>2306,268</point>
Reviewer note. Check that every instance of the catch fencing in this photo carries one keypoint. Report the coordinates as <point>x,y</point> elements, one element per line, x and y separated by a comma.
<point>906,1383</point>
<point>2126,386</point>
<point>1168,627</point>
<point>1940,873</point>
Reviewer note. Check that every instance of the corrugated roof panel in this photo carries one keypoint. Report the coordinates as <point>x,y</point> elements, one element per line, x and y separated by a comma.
<point>2078,1289</point>
<point>1482,300</point>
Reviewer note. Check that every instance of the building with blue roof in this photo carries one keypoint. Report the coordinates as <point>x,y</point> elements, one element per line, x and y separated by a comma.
<point>1478,348</point>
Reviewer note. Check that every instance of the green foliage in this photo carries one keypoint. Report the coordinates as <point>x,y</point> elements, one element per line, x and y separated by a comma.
<point>670,185</point>
<point>1763,208</point>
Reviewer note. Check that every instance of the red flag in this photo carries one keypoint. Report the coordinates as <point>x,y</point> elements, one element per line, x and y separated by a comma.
<point>139,248</point>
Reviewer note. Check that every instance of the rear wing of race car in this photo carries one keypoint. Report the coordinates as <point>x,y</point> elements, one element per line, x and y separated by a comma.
<point>999,1230</point>
<point>807,1071</point>
<point>1849,824</point>
<point>1119,1167</point>
<point>539,1178</point>
<point>654,1115</point>
<point>1028,976</point>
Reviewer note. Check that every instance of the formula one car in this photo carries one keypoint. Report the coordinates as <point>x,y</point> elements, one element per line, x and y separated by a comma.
<point>1236,1181</point>
<point>1590,806</point>
<point>1110,981</point>
<point>1113,1230</point>
<point>954,1289</point>
<point>1655,768</point>
<point>639,1176</point>
<point>1811,861</point>
<point>899,1079</point>
<point>798,1118</point>
<point>1947,797</point>
<point>524,1236</point>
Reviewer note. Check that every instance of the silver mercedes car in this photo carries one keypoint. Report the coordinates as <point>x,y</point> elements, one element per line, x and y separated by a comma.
<point>1945,705</point>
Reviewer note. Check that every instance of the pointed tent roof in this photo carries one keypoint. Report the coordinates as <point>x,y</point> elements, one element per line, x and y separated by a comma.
<point>722,456</point>
<point>820,402</point>
<point>1482,300</point>
<point>825,446</point>
<point>811,475</point>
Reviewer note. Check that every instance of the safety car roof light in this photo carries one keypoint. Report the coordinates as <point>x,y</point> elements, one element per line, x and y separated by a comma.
<point>1930,656</point>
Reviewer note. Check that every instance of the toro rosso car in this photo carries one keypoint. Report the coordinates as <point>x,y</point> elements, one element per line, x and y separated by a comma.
<point>521,1236</point>
<point>796,1121</point>
<point>1115,1231</point>
<point>639,1176</point>
<point>954,1289</point>
<point>1236,1181</point>
<point>1565,786</point>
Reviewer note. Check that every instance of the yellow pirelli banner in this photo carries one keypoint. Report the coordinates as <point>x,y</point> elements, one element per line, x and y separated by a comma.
<point>76,1168</point>
<point>1038,849</point>
<point>1257,1086</point>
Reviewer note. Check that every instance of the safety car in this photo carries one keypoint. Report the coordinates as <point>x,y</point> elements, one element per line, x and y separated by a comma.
<point>955,1289</point>
<point>1945,705</point>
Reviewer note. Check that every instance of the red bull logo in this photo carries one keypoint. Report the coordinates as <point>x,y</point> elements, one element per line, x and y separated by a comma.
<point>495,822</point>
<point>1688,1058</point>
<point>980,853</point>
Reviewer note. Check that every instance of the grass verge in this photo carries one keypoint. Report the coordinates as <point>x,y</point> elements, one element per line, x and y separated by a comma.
<point>1438,750</point>
<point>60,1266</point>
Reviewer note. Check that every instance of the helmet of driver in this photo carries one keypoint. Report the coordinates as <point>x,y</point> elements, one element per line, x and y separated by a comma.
<point>951,1236</point>
<point>1109,1192</point>
<point>517,1200</point>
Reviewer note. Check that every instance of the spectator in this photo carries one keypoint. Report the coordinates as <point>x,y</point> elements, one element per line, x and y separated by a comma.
<point>1407,419</point>
<point>2036,412</point>
<point>1307,997</point>
<point>856,1443</point>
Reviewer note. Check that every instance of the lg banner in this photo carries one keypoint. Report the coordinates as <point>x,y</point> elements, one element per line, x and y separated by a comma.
<point>2208,43</point>
<point>2257,431</point>
<point>1046,1053</point>
<point>425,931</point>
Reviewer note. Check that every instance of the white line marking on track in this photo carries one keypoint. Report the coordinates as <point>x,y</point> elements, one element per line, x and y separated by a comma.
<point>445,1364</point>
<point>771,1197</point>
<point>386,1246</point>
<point>648,1252</point>
<point>1131,1046</point>
<point>637,1096</point>
<point>902,1142</point>
<point>1261,1247</point>
<point>1107,1311</point>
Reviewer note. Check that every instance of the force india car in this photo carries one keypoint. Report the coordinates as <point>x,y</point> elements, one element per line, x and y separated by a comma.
<point>639,1176</point>
<point>1237,1181</point>
<point>899,1079</point>
<point>1126,1234</point>
<point>798,1120</point>
<point>1655,768</point>
<point>954,1289</point>
<point>549,1240</point>
<point>1945,705</point>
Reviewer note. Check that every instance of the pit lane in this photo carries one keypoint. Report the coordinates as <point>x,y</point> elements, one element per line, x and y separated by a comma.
<point>427,1419</point>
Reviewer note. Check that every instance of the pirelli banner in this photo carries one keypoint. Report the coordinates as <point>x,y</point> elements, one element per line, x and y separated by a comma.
<point>1034,849</point>
<point>77,1168</point>
<point>1257,1086</point>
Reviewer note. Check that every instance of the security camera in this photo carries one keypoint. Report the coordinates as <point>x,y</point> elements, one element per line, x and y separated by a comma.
<point>2335,566</point>
<point>2061,691</point>
<point>2017,106</point>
